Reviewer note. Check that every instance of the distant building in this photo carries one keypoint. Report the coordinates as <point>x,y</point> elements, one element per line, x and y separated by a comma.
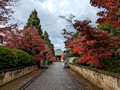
<point>58,54</point>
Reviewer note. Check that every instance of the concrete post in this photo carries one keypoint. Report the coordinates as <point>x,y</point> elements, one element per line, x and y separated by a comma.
<point>45,60</point>
<point>41,63</point>
<point>66,59</point>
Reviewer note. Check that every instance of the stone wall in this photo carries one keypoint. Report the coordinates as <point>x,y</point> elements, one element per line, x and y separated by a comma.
<point>103,79</point>
<point>11,74</point>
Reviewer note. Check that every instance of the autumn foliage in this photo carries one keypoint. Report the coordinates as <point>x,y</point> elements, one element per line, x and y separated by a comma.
<point>32,43</point>
<point>29,41</point>
<point>12,39</point>
<point>62,56</point>
<point>50,53</point>
<point>93,45</point>
<point>111,12</point>
<point>6,14</point>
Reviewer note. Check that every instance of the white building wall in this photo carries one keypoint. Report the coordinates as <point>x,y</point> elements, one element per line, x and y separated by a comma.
<point>58,52</point>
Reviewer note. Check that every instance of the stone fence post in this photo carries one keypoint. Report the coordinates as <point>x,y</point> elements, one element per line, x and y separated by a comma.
<point>66,58</point>
<point>45,60</point>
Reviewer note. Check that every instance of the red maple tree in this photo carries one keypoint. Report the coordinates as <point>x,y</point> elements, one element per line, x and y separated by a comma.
<point>111,12</point>
<point>6,14</point>
<point>93,45</point>
<point>32,43</point>
<point>50,53</point>
<point>29,41</point>
<point>12,39</point>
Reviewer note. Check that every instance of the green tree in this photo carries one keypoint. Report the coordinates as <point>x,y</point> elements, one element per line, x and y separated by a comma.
<point>48,41</point>
<point>34,22</point>
<point>46,37</point>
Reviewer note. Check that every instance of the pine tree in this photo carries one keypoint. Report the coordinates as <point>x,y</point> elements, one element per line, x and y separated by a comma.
<point>48,41</point>
<point>34,22</point>
<point>46,37</point>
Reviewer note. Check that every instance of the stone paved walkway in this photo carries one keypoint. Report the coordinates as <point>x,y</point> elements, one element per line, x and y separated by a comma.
<point>54,78</point>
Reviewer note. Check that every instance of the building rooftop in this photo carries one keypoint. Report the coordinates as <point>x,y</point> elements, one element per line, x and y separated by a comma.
<point>58,52</point>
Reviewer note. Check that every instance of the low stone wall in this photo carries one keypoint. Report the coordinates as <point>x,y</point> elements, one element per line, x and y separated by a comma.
<point>11,74</point>
<point>103,79</point>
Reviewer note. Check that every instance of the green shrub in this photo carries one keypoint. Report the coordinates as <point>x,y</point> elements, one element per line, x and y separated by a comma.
<point>11,58</point>
<point>113,64</point>
<point>32,60</point>
<point>49,62</point>
<point>75,55</point>
<point>115,67</point>
<point>8,58</point>
<point>24,59</point>
<point>75,59</point>
<point>92,65</point>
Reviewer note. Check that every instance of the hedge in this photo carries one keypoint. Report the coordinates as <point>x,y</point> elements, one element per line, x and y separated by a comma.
<point>24,59</point>
<point>50,62</point>
<point>11,58</point>
<point>113,63</point>
<point>8,58</point>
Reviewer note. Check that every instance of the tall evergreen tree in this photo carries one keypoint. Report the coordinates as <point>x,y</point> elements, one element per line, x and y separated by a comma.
<point>34,22</point>
<point>48,42</point>
<point>46,37</point>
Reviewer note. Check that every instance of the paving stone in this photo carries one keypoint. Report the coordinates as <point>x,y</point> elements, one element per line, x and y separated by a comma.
<point>54,78</point>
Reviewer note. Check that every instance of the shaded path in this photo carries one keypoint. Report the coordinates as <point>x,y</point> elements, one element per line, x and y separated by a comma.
<point>54,78</point>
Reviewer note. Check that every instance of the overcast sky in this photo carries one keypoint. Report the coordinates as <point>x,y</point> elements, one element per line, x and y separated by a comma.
<point>49,12</point>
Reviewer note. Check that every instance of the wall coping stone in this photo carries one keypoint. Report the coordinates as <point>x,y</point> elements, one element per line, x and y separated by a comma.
<point>116,75</point>
<point>12,69</point>
<point>8,75</point>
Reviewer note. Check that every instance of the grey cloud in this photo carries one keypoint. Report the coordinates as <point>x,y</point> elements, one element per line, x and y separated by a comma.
<point>49,12</point>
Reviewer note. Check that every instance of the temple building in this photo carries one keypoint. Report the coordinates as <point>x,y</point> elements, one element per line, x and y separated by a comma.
<point>58,54</point>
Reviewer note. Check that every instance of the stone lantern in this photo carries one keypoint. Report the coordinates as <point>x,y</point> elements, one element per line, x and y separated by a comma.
<point>45,60</point>
<point>66,59</point>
